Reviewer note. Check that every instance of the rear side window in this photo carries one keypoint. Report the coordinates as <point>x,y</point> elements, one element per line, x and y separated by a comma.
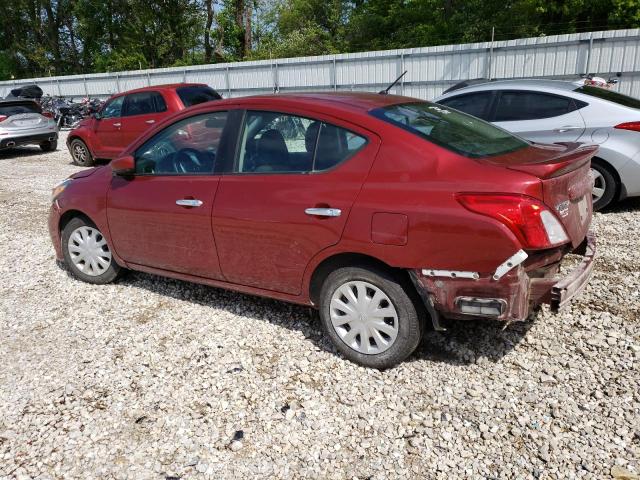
<point>514,106</point>
<point>144,103</point>
<point>455,131</point>
<point>476,104</point>
<point>14,109</point>
<point>195,94</point>
<point>605,94</point>
<point>280,143</point>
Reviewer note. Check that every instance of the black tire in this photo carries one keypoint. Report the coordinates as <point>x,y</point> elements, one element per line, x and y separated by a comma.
<point>99,277</point>
<point>81,154</point>
<point>49,146</point>
<point>604,178</point>
<point>410,325</point>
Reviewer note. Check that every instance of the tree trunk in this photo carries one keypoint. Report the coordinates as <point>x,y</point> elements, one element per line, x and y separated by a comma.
<point>208,50</point>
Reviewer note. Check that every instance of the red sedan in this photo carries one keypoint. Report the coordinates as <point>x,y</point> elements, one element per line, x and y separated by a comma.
<point>381,211</point>
<point>126,116</point>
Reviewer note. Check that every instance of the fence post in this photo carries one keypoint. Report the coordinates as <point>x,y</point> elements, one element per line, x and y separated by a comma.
<point>86,90</point>
<point>399,70</point>
<point>148,79</point>
<point>276,87</point>
<point>490,60</point>
<point>588,66</point>
<point>118,82</point>
<point>226,81</point>
<point>59,91</point>
<point>334,74</point>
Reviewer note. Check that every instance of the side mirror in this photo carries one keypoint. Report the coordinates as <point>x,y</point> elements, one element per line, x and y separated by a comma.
<point>123,165</point>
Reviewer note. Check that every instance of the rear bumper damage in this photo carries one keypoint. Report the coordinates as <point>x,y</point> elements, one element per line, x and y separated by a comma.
<point>509,293</point>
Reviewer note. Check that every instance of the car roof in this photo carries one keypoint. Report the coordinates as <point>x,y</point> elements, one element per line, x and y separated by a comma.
<point>166,86</point>
<point>525,83</point>
<point>17,100</point>
<point>347,101</point>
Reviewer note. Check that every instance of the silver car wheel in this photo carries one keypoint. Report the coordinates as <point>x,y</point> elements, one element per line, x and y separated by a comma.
<point>363,317</point>
<point>79,152</point>
<point>599,185</point>
<point>89,251</point>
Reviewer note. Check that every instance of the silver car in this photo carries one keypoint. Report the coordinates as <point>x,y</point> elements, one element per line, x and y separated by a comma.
<point>22,123</point>
<point>550,111</point>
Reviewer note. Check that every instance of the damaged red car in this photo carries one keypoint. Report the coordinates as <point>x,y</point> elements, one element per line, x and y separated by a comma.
<point>386,213</point>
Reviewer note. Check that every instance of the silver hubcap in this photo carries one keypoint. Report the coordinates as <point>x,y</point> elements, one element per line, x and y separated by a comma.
<point>599,185</point>
<point>363,317</point>
<point>89,251</point>
<point>79,152</point>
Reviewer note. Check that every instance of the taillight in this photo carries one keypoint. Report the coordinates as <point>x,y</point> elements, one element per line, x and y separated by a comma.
<point>529,219</point>
<point>3,117</point>
<point>633,126</point>
<point>47,114</point>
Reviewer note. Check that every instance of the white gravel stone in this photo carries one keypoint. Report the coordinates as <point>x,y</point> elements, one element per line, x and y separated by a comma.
<point>152,378</point>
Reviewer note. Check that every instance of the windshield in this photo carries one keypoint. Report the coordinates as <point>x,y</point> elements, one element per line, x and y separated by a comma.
<point>451,129</point>
<point>609,95</point>
<point>196,94</point>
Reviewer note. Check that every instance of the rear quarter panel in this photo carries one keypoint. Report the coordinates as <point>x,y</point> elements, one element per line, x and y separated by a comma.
<point>419,180</point>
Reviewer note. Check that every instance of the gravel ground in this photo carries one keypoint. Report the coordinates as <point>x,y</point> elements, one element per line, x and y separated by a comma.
<point>161,379</point>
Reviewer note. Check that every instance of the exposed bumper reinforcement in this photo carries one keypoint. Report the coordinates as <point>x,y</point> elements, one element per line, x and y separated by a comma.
<point>559,292</point>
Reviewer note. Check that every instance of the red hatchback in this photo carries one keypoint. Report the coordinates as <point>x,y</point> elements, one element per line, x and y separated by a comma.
<point>381,211</point>
<point>126,116</point>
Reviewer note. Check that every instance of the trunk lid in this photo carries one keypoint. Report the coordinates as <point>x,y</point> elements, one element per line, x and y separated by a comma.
<point>564,171</point>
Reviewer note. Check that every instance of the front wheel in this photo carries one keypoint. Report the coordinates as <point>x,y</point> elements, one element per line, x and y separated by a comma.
<point>369,316</point>
<point>87,253</point>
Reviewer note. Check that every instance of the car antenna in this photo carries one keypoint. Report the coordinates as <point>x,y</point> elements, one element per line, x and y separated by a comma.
<point>386,90</point>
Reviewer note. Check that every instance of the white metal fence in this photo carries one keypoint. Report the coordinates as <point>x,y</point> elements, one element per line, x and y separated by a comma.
<point>430,69</point>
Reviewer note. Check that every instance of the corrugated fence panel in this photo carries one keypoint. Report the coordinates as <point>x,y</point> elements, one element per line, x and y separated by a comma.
<point>430,69</point>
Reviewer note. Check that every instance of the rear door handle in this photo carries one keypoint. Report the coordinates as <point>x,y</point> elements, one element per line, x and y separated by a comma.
<point>117,125</point>
<point>189,202</point>
<point>323,212</point>
<point>149,121</point>
<point>566,128</point>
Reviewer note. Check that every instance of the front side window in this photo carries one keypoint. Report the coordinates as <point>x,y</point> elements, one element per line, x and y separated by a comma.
<point>188,147</point>
<point>113,108</point>
<point>515,106</point>
<point>476,104</point>
<point>281,143</point>
<point>453,130</point>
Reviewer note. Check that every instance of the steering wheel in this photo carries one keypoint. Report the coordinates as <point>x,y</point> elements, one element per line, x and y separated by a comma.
<point>187,160</point>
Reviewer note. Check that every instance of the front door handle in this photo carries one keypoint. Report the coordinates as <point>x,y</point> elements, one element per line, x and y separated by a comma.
<point>117,125</point>
<point>323,212</point>
<point>149,121</point>
<point>189,202</point>
<point>566,128</point>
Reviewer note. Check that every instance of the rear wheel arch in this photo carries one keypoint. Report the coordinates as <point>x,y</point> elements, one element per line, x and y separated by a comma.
<point>619,187</point>
<point>334,262</point>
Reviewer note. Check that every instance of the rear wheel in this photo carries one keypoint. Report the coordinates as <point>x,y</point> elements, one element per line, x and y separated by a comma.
<point>368,315</point>
<point>87,253</point>
<point>80,153</point>
<point>49,146</point>
<point>605,185</point>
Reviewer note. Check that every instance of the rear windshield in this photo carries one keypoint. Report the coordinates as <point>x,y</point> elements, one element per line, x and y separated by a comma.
<point>605,94</point>
<point>195,94</point>
<point>451,129</point>
<point>16,108</point>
